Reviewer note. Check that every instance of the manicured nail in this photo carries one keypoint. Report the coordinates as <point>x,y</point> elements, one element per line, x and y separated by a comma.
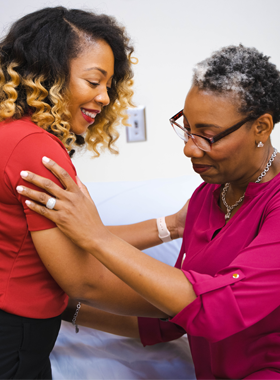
<point>28,203</point>
<point>19,189</point>
<point>46,159</point>
<point>24,174</point>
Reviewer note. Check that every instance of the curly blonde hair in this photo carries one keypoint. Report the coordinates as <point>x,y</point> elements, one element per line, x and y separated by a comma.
<point>34,73</point>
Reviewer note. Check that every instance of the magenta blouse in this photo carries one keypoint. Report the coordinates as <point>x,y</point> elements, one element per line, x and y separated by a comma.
<point>234,324</point>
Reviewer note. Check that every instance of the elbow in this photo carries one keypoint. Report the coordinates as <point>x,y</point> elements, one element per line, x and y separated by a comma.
<point>81,291</point>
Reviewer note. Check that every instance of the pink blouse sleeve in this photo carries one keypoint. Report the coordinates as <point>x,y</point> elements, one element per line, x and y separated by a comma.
<point>153,330</point>
<point>241,294</point>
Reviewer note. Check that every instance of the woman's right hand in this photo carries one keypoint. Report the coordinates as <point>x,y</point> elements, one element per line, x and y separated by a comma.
<point>180,218</point>
<point>83,188</point>
<point>74,211</point>
<point>176,222</point>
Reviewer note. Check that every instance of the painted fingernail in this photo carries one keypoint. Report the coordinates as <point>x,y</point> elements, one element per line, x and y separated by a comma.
<point>19,189</point>
<point>28,203</point>
<point>24,174</point>
<point>46,159</point>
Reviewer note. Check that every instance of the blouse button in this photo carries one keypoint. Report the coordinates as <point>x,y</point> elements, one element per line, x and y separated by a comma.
<point>235,275</point>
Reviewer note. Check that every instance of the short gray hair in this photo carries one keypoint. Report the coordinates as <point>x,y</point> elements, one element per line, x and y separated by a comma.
<point>244,73</point>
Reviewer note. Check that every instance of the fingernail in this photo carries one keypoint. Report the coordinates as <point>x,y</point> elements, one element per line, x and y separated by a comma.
<point>24,174</point>
<point>46,159</point>
<point>19,189</point>
<point>28,203</point>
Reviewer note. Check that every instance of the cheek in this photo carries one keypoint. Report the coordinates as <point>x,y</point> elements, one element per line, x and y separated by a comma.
<point>230,148</point>
<point>78,92</point>
<point>233,157</point>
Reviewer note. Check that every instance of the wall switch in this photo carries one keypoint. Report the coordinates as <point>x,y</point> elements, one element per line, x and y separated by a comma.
<point>137,120</point>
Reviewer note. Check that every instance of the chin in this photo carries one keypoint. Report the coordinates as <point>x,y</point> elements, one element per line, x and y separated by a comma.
<point>80,131</point>
<point>79,126</point>
<point>208,179</point>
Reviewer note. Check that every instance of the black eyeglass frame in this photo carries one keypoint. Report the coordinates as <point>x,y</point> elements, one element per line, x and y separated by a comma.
<point>213,139</point>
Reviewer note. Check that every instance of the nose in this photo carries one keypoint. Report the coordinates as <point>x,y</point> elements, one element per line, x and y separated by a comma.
<point>103,97</point>
<point>191,150</point>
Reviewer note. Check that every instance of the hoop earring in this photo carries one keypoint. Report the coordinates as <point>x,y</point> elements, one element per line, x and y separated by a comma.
<point>260,145</point>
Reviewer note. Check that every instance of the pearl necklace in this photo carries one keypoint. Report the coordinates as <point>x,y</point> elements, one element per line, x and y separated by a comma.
<point>225,189</point>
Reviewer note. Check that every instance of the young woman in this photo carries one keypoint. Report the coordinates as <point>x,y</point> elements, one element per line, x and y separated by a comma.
<point>224,289</point>
<point>63,74</point>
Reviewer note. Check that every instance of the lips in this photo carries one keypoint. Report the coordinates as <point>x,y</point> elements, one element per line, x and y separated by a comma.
<point>200,168</point>
<point>89,114</point>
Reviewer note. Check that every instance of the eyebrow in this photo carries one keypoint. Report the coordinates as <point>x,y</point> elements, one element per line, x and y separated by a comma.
<point>99,69</point>
<point>203,125</point>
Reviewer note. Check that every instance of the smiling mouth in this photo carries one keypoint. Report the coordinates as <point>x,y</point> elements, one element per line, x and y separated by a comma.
<point>92,114</point>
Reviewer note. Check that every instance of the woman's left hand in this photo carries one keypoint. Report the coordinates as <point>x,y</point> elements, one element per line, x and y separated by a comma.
<point>74,212</point>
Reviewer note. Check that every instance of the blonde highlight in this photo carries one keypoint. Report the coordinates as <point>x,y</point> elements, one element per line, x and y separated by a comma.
<point>35,82</point>
<point>8,93</point>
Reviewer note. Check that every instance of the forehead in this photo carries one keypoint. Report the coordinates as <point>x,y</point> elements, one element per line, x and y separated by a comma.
<point>206,106</point>
<point>94,54</point>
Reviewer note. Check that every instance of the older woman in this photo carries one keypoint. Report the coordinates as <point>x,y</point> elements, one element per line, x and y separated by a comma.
<point>224,289</point>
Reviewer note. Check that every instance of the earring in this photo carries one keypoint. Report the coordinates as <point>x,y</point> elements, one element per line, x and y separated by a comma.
<point>260,145</point>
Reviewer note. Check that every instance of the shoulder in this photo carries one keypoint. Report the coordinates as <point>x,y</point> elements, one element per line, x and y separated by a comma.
<point>24,140</point>
<point>14,131</point>
<point>20,128</point>
<point>204,192</point>
<point>272,195</point>
<point>24,146</point>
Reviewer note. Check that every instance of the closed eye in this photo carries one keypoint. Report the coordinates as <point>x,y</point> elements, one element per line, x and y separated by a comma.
<point>93,83</point>
<point>201,132</point>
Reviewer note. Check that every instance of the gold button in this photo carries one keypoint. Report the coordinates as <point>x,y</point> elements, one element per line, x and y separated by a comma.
<point>235,275</point>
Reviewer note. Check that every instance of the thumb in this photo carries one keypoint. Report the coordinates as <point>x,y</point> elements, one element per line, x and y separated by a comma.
<point>79,183</point>
<point>83,188</point>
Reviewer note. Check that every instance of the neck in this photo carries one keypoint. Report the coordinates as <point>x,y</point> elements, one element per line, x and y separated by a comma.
<point>235,193</point>
<point>239,187</point>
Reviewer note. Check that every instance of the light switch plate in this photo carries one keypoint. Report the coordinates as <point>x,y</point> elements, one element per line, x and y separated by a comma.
<point>137,119</point>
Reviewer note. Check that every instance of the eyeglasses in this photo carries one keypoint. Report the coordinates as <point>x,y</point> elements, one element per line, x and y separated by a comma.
<point>202,142</point>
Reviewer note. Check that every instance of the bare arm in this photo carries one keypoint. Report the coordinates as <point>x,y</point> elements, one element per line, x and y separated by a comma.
<point>141,235</point>
<point>101,320</point>
<point>144,235</point>
<point>163,286</point>
<point>83,277</point>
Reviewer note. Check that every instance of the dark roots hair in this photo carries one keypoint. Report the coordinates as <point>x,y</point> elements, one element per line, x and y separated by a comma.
<point>34,72</point>
<point>245,73</point>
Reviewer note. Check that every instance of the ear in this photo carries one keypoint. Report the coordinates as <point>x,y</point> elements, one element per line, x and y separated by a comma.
<point>263,127</point>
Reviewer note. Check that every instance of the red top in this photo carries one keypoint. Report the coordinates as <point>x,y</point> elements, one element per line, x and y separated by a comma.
<point>26,287</point>
<point>234,324</point>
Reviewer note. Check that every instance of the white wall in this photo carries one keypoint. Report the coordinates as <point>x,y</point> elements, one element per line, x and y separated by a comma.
<point>169,38</point>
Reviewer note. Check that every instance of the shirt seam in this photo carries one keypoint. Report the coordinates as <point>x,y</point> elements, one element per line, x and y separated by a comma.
<point>12,267</point>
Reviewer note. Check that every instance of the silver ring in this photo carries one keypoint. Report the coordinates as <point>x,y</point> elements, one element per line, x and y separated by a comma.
<point>51,203</point>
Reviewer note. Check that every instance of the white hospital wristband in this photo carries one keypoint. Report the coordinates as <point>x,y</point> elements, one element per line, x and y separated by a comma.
<point>163,232</point>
